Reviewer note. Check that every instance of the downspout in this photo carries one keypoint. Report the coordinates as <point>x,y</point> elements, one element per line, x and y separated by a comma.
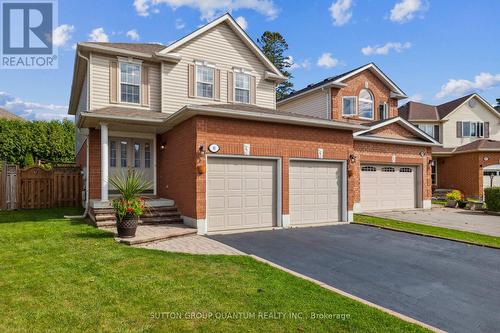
<point>87,148</point>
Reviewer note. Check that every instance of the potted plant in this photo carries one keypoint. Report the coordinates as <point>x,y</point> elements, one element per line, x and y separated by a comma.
<point>129,206</point>
<point>452,198</point>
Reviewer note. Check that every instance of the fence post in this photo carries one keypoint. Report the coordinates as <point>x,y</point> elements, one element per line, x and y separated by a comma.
<point>3,185</point>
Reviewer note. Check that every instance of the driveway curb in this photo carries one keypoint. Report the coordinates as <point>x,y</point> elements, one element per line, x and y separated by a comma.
<point>428,235</point>
<point>343,293</point>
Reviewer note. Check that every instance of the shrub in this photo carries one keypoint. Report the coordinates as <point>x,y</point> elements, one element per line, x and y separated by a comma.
<point>492,198</point>
<point>454,195</point>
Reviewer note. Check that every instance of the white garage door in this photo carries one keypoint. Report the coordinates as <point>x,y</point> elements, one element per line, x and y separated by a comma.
<point>315,192</point>
<point>388,187</point>
<point>241,193</point>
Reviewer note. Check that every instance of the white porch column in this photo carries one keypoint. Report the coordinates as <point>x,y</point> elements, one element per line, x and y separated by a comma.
<point>104,162</point>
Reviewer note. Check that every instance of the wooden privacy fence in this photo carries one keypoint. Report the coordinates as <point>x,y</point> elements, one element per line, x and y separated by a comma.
<point>38,188</point>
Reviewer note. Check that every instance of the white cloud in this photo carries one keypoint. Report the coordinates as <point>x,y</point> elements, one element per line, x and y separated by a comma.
<point>384,49</point>
<point>31,110</point>
<point>98,35</point>
<point>133,34</point>
<point>242,22</point>
<point>210,9</point>
<point>416,97</point>
<point>142,7</point>
<point>326,60</point>
<point>179,24</point>
<point>62,34</point>
<point>406,10</point>
<point>305,64</point>
<point>481,82</point>
<point>341,12</point>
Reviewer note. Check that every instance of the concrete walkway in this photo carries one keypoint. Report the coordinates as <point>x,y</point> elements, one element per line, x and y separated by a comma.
<point>192,244</point>
<point>151,233</point>
<point>460,219</point>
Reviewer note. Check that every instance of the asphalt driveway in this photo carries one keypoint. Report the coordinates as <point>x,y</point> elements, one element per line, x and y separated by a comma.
<point>446,284</point>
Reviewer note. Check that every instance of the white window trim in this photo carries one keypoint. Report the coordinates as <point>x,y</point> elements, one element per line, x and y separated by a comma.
<point>435,173</point>
<point>242,71</point>
<point>386,110</point>
<point>355,106</point>
<point>470,129</point>
<point>372,101</point>
<point>133,62</point>
<point>203,64</point>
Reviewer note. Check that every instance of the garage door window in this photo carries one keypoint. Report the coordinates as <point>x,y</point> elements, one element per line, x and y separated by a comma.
<point>368,169</point>
<point>388,169</point>
<point>405,170</point>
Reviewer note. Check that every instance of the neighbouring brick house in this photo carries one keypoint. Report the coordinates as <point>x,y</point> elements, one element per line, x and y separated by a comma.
<point>469,130</point>
<point>199,118</point>
<point>392,156</point>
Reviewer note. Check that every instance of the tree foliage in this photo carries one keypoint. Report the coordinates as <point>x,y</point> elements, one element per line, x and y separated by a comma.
<point>274,45</point>
<point>49,141</point>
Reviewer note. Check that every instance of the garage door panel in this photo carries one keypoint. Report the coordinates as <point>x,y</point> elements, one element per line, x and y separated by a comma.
<point>314,192</point>
<point>388,187</point>
<point>241,193</point>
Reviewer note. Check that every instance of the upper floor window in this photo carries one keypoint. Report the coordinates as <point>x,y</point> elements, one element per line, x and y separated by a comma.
<point>472,129</point>
<point>427,128</point>
<point>349,106</point>
<point>242,88</point>
<point>130,82</point>
<point>204,81</point>
<point>383,110</point>
<point>365,104</point>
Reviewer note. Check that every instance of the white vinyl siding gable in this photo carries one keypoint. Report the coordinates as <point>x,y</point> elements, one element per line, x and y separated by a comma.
<point>467,114</point>
<point>100,83</point>
<point>313,104</point>
<point>225,50</point>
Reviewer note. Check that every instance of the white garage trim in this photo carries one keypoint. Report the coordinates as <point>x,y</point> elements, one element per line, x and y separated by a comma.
<point>344,214</point>
<point>279,212</point>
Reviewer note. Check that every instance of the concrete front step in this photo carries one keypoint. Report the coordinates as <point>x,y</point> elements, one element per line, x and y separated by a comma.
<point>154,233</point>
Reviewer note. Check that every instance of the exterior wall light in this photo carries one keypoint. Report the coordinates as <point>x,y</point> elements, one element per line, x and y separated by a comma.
<point>163,146</point>
<point>201,150</point>
<point>352,158</point>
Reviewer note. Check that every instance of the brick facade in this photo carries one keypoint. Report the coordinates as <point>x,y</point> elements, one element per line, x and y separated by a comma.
<point>465,172</point>
<point>355,84</point>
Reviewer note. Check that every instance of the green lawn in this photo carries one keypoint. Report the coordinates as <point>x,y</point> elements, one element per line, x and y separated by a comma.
<point>471,237</point>
<point>59,275</point>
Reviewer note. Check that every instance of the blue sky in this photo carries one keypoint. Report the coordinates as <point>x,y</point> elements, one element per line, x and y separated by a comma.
<point>435,50</point>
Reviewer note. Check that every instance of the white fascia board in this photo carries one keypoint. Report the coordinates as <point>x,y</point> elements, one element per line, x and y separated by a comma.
<point>273,77</point>
<point>240,32</point>
<point>323,86</point>
<point>395,141</point>
<point>121,118</point>
<point>380,74</point>
<point>397,96</point>
<point>192,110</point>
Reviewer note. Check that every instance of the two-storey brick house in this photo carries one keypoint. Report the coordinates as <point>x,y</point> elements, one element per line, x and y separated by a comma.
<point>391,154</point>
<point>199,118</point>
<point>469,130</point>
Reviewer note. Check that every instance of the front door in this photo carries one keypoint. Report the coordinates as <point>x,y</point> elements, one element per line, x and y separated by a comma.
<point>125,153</point>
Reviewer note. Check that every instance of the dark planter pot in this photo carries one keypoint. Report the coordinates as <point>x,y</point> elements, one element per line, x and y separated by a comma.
<point>127,226</point>
<point>451,203</point>
<point>462,204</point>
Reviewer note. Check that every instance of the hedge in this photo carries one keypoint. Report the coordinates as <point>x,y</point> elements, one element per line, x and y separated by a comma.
<point>492,198</point>
<point>50,141</point>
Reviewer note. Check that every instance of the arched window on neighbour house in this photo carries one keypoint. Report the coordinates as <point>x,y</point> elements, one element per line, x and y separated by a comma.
<point>366,104</point>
